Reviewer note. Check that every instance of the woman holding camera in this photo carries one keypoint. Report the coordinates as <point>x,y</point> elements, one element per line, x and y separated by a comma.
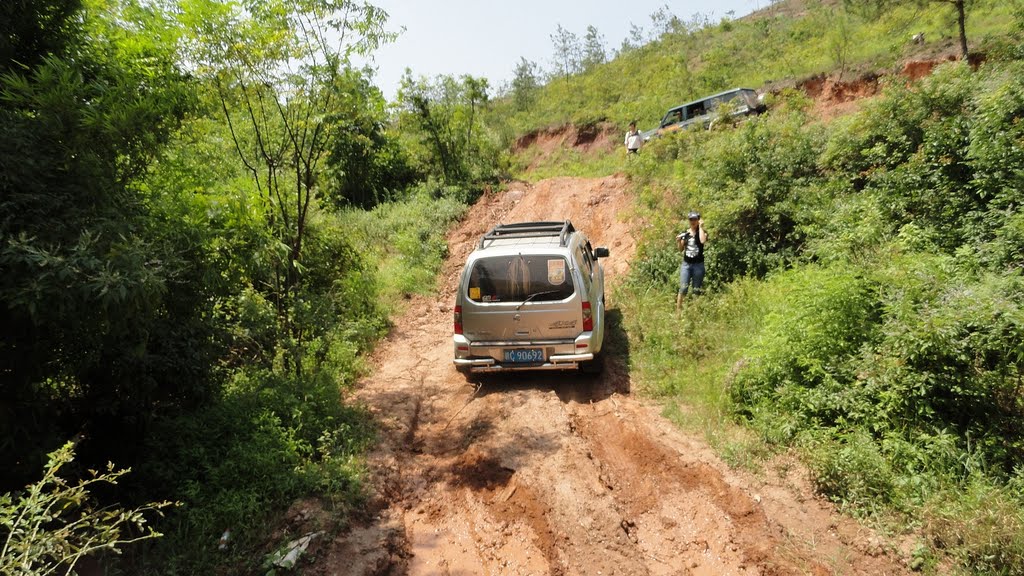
<point>691,244</point>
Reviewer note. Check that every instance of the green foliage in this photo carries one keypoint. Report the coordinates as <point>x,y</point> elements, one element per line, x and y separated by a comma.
<point>525,83</point>
<point>942,155</point>
<point>270,439</point>
<point>850,469</point>
<point>442,120</point>
<point>96,326</point>
<point>280,114</point>
<point>54,523</point>
<point>366,165</point>
<point>801,358</point>
<point>568,54</point>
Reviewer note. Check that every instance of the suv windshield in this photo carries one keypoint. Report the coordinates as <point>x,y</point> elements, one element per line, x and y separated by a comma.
<point>539,278</point>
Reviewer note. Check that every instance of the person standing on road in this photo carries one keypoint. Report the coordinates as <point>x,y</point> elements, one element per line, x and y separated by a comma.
<point>633,139</point>
<point>691,244</point>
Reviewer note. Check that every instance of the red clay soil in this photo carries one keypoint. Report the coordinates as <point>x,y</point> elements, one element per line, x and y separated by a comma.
<point>833,96</point>
<point>562,473</point>
<point>542,144</point>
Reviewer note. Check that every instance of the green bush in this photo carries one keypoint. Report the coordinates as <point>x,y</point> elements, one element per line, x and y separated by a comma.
<point>950,358</point>
<point>802,360</point>
<point>851,469</point>
<point>268,440</point>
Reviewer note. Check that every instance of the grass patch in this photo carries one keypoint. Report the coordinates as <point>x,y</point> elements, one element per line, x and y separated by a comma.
<point>407,240</point>
<point>567,161</point>
<point>687,359</point>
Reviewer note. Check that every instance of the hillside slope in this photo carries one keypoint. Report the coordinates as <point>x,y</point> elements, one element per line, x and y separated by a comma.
<point>786,42</point>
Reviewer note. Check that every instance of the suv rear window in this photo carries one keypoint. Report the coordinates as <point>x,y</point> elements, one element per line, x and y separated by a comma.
<point>515,278</point>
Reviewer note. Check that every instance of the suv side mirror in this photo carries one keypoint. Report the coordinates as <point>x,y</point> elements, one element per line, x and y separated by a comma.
<point>601,253</point>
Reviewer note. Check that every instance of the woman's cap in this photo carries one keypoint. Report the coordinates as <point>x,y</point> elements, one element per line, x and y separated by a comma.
<point>694,216</point>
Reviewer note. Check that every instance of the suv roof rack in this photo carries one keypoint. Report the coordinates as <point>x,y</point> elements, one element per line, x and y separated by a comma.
<point>531,230</point>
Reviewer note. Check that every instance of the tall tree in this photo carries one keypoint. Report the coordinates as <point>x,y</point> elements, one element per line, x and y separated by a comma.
<point>567,52</point>
<point>524,84</point>
<point>634,40</point>
<point>593,48</point>
<point>444,114</point>
<point>275,64</point>
<point>664,21</point>
<point>840,39</point>
<point>366,164</point>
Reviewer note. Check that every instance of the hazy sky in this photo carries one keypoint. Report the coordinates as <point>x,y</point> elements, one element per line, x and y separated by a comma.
<point>487,38</point>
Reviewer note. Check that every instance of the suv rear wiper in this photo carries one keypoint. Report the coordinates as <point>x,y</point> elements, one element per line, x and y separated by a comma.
<point>532,296</point>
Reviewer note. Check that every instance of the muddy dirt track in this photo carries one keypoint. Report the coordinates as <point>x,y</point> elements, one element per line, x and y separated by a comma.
<point>561,473</point>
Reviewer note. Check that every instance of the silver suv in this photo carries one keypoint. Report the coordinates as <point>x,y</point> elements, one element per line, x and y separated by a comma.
<point>738,102</point>
<point>531,297</point>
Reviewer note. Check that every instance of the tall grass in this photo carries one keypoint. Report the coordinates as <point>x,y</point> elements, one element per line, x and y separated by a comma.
<point>688,358</point>
<point>407,240</point>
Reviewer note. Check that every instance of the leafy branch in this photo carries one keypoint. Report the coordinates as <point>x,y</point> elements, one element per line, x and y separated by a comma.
<point>52,526</point>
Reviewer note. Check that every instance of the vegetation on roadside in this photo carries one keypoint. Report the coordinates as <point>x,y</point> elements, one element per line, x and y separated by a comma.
<point>867,302</point>
<point>207,214</point>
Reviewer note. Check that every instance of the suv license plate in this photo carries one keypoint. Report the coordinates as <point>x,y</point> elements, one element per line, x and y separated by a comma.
<point>528,355</point>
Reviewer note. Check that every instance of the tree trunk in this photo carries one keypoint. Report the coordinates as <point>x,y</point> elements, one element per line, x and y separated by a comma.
<point>961,20</point>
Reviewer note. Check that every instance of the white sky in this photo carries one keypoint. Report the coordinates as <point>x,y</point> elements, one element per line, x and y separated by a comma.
<point>487,38</point>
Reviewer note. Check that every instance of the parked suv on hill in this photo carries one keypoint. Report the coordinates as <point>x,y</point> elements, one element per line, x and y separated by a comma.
<point>702,113</point>
<point>531,297</point>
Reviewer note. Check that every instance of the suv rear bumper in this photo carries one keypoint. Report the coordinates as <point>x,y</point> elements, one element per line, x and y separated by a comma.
<point>557,362</point>
<point>483,356</point>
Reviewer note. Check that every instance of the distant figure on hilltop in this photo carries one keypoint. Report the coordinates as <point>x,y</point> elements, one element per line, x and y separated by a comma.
<point>633,139</point>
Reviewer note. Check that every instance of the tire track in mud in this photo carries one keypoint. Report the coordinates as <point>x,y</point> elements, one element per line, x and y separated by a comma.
<point>559,473</point>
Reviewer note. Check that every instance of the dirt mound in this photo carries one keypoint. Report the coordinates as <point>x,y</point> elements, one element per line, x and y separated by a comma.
<point>833,90</point>
<point>588,139</point>
<point>833,96</point>
<point>561,474</point>
<point>917,69</point>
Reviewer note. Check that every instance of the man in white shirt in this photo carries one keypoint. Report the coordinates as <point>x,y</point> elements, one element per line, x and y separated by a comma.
<point>633,139</point>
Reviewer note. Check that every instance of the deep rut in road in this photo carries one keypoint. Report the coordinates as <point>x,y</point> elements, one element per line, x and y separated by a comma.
<point>563,473</point>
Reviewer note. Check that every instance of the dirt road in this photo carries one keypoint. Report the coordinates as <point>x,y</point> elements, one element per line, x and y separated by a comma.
<point>559,473</point>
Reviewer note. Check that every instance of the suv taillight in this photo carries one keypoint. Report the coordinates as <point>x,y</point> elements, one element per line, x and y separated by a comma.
<point>588,317</point>
<point>458,319</point>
